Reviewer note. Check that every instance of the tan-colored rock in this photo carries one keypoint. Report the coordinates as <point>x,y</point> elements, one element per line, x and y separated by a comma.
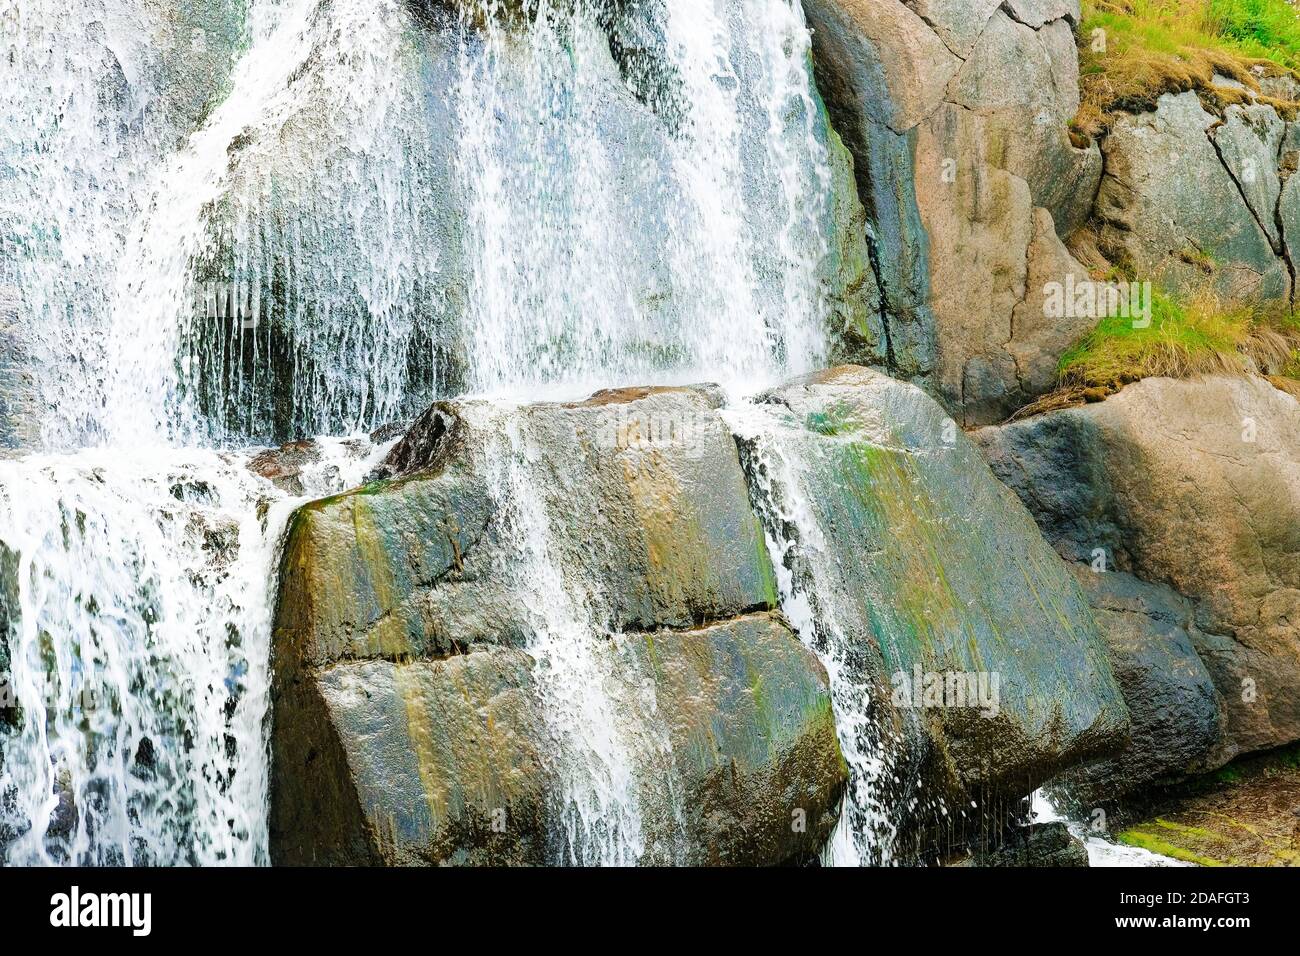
<point>978,217</point>
<point>1040,335</point>
<point>1035,13</point>
<point>881,56</point>
<point>986,152</point>
<point>1194,484</point>
<point>958,23</point>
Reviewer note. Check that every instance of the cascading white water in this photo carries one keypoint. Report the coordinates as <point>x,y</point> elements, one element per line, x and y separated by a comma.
<point>139,654</point>
<point>605,193</point>
<point>323,250</point>
<point>139,577</point>
<point>76,140</point>
<point>865,832</point>
<point>599,807</point>
<point>626,233</point>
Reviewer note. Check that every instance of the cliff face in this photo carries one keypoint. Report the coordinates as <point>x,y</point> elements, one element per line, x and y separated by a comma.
<point>957,114</point>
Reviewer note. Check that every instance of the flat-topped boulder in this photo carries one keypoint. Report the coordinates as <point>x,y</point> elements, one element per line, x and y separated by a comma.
<point>549,630</point>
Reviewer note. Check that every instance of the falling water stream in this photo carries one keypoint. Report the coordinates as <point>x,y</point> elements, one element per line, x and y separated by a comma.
<point>666,227</point>
<point>258,220</point>
<point>598,800</point>
<point>865,834</point>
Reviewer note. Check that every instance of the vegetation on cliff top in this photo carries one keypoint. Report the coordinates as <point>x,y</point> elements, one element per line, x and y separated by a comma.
<point>1133,51</point>
<point>1130,53</point>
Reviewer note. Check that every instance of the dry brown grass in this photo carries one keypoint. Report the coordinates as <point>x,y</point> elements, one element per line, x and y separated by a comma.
<point>1285,384</point>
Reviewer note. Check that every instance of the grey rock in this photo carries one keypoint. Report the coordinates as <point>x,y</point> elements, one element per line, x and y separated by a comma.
<point>851,77</point>
<point>1248,142</point>
<point>1035,13</point>
<point>1178,716</point>
<point>1172,211</point>
<point>928,562</point>
<point>1042,845</point>
<point>958,23</point>
<point>882,58</point>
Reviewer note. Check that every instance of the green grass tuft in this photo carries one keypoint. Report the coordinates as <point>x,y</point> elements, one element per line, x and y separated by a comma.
<point>1199,334</point>
<point>1268,29</point>
<point>1187,336</point>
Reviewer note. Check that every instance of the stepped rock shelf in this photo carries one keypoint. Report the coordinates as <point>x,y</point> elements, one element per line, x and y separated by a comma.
<point>420,715</point>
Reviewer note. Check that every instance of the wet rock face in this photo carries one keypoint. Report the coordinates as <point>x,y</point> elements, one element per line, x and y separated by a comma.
<point>957,117</point>
<point>1040,845</point>
<point>418,693</point>
<point>9,622</point>
<point>193,53</point>
<point>647,507</point>
<point>929,568</point>
<point>284,466</point>
<point>1192,484</point>
<point>752,739</point>
<point>419,716</point>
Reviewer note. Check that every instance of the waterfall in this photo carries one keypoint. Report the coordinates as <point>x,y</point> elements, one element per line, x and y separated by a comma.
<point>807,585</point>
<point>256,220</point>
<point>134,718</point>
<point>598,811</point>
<point>669,230</point>
<point>84,120</point>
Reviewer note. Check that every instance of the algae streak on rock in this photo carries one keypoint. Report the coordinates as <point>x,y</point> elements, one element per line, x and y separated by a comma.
<point>896,548</point>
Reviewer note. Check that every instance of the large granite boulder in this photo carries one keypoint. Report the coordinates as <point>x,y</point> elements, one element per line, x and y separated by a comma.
<point>957,115</point>
<point>1194,485</point>
<point>917,565</point>
<point>547,636</point>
